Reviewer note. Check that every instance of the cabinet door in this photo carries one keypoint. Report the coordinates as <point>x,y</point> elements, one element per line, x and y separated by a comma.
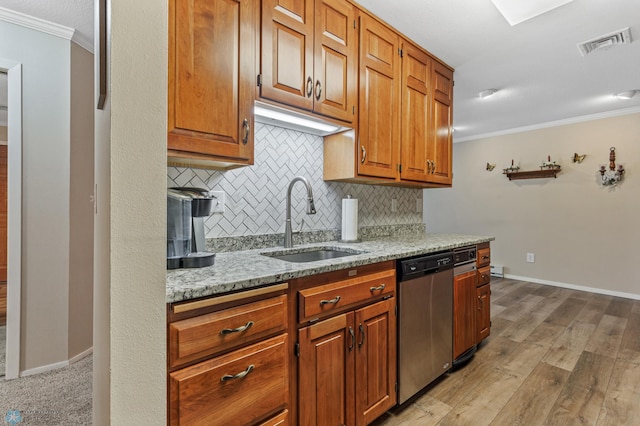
<point>441,125</point>
<point>375,360</point>
<point>483,316</point>
<point>335,88</point>
<point>379,115</point>
<point>464,312</point>
<point>212,48</point>
<point>326,372</point>
<point>287,52</point>
<point>416,82</point>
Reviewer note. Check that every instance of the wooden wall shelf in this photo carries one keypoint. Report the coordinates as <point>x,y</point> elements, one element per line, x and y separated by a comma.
<point>533,174</point>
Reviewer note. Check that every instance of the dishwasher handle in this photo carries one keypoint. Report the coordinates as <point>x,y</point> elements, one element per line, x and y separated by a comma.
<point>464,268</point>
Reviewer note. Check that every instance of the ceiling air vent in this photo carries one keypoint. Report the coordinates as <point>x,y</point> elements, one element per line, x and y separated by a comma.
<point>622,36</point>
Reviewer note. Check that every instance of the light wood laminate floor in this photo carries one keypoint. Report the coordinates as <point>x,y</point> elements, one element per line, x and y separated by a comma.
<point>555,357</point>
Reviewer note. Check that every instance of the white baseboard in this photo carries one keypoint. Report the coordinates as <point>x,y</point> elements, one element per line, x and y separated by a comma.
<point>575,287</point>
<point>56,365</point>
<point>81,355</point>
<point>44,368</point>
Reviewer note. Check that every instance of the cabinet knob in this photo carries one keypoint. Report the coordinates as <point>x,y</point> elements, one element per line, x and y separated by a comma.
<point>245,126</point>
<point>353,338</point>
<point>379,288</point>
<point>330,302</point>
<point>309,86</point>
<point>240,329</point>
<point>240,375</point>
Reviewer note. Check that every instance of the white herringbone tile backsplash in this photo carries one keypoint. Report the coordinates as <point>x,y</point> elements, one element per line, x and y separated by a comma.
<point>256,195</point>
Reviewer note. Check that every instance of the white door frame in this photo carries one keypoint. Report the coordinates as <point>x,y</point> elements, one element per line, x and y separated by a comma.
<point>14,216</point>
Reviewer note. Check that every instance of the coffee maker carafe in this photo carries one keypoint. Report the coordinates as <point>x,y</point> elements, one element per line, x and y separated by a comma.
<point>186,209</point>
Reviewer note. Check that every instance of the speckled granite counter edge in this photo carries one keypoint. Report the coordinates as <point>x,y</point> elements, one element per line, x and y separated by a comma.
<point>243,270</point>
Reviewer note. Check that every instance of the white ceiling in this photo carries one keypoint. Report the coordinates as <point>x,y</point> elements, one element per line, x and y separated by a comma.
<point>536,66</point>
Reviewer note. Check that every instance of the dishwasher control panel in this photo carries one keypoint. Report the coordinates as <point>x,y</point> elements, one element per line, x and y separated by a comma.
<point>422,265</point>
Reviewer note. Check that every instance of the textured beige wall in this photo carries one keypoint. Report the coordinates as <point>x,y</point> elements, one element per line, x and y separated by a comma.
<point>138,211</point>
<point>45,192</point>
<point>581,233</point>
<point>101,267</point>
<point>81,205</point>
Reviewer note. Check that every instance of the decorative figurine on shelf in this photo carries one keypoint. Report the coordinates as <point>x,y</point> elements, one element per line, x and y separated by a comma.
<point>511,169</point>
<point>549,165</point>
<point>612,176</point>
<point>490,167</point>
<point>578,158</point>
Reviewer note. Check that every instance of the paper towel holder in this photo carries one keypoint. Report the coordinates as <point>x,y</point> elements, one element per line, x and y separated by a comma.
<point>344,224</point>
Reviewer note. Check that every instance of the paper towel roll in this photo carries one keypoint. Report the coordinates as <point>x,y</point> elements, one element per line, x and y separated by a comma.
<point>349,219</point>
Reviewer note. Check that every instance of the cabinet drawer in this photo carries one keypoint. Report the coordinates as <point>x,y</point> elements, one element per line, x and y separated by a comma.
<point>281,419</point>
<point>332,298</point>
<point>484,256</point>
<point>205,335</point>
<point>218,392</point>
<point>484,275</point>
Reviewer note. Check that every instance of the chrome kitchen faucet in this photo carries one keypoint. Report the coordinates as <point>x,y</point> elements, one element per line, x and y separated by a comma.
<point>311,209</point>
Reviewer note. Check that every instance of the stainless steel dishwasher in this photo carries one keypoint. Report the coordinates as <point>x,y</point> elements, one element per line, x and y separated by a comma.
<point>425,321</point>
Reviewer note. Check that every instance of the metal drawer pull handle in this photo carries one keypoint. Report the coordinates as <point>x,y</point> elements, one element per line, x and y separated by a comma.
<point>240,375</point>
<point>236,330</point>
<point>245,126</point>
<point>364,155</point>
<point>433,167</point>
<point>361,342</point>
<point>309,87</point>
<point>379,288</point>
<point>485,257</point>
<point>428,166</point>
<point>353,339</point>
<point>330,302</point>
<point>318,90</point>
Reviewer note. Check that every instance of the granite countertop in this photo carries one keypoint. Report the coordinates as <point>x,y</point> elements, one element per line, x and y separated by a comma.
<point>238,270</point>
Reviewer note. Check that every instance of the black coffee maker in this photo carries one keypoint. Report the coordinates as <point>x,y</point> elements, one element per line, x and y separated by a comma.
<point>186,209</point>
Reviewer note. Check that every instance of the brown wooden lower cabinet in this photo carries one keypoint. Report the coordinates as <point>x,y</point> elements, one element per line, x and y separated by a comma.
<point>483,317</point>
<point>347,367</point>
<point>464,308</point>
<point>243,387</point>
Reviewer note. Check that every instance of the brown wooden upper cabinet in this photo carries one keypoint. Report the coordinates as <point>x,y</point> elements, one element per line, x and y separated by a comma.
<point>440,139</point>
<point>309,56</point>
<point>212,68</point>
<point>379,126</point>
<point>404,129</point>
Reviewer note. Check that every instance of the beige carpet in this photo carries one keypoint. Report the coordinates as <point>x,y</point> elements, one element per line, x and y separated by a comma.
<point>60,397</point>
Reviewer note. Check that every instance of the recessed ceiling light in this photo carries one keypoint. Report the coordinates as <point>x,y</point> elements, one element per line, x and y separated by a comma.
<point>627,95</point>
<point>517,11</point>
<point>486,93</point>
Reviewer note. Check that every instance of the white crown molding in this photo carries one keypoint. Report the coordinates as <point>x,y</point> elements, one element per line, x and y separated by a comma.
<point>37,24</point>
<point>564,122</point>
<point>83,41</point>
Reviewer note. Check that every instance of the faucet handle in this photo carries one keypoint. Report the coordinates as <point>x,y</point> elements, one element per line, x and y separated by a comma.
<point>299,229</point>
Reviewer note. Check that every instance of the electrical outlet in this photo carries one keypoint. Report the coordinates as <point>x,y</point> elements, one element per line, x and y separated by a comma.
<point>218,201</point>
<point>394,205</point>
<point>418,205</point>
<point>531,257</point>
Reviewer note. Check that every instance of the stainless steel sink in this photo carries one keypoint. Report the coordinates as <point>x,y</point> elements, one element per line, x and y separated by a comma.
<point>312,254</point>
